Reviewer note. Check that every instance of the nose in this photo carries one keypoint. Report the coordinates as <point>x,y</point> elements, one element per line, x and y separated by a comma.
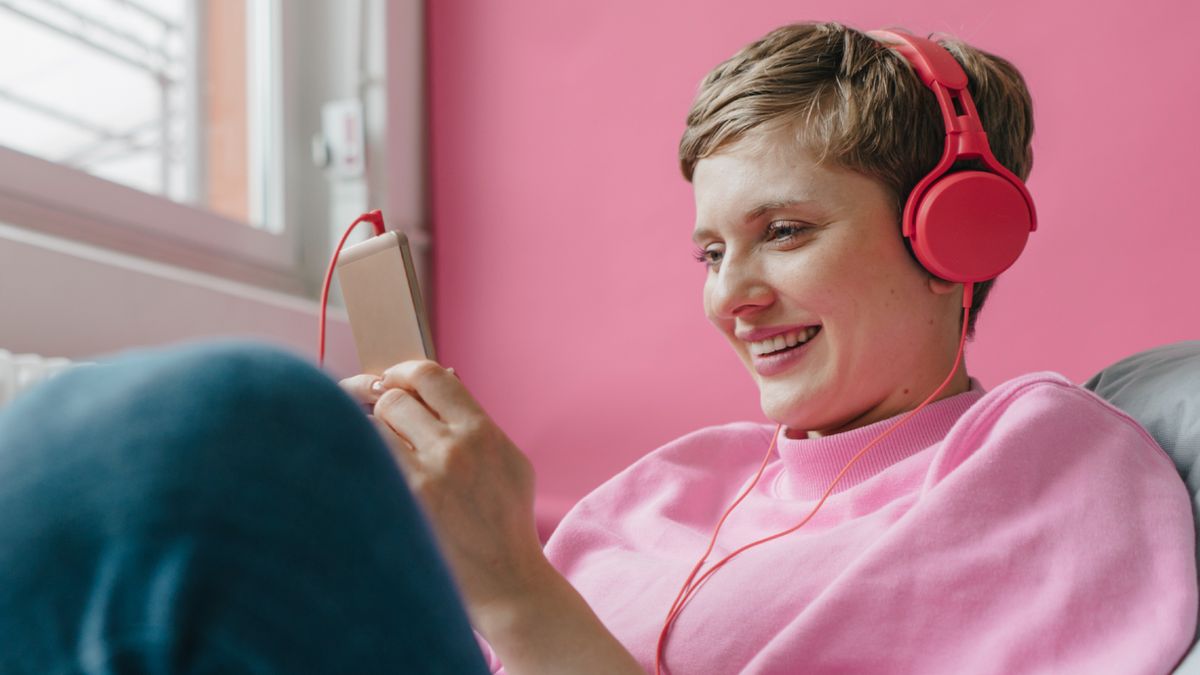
<point>738,288</point>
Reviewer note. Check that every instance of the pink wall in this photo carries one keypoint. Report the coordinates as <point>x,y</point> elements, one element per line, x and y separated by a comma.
<point>564,288</point>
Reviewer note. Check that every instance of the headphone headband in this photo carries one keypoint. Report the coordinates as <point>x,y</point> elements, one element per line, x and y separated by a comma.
<point>964,226</point>
<point>931,61</point>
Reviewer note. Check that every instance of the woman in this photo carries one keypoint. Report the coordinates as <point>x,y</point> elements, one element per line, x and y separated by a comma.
<point>1013,531</point>
<point>1032,528</point>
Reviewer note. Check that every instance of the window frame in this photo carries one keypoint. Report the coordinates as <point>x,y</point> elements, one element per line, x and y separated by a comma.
<point>55,199</point>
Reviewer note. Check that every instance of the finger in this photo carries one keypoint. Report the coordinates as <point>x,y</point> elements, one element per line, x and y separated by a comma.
<point>359,388</point>
<point>440,389</point>
<point>401,449</point>
<point>410,418</point>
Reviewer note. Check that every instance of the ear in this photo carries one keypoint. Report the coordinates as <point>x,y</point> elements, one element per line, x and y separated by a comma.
<point>942,287</point>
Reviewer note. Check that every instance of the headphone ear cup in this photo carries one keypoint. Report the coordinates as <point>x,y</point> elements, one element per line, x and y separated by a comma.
<point>970,226</point>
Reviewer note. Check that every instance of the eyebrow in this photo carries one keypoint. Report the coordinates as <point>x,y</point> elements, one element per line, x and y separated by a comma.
<point>757,211</point>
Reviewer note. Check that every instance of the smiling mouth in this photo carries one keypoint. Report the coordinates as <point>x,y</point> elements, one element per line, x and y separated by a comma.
<point>784,344</point>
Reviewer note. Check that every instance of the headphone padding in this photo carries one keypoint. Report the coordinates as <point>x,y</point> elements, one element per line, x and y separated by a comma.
<point>970,226</point>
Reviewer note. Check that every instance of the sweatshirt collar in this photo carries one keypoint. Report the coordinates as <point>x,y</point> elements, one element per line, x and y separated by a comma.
<point>811,464</point>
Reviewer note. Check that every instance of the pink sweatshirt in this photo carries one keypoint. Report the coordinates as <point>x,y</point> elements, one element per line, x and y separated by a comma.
<point>1031,529</point>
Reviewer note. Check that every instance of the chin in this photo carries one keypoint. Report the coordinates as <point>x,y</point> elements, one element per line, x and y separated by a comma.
<point>798,408</point>
<point>791,411</point>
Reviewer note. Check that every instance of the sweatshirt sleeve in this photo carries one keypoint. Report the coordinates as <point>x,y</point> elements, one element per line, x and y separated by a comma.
<point>1051,535</point>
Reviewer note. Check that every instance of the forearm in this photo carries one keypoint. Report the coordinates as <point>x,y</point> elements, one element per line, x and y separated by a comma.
<point>552,630</point>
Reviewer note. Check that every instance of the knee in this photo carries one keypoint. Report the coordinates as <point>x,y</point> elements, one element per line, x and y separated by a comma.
<point>241,390</point>
<point>227,384</point>
<point>225,387</point>
<point>160,424</point>
<point>215,438</point>
<point>243,455</point>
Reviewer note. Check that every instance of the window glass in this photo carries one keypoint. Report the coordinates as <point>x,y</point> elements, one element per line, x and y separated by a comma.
<point>161,95</point>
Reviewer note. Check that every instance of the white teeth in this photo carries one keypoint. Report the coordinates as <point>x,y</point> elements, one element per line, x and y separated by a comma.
<point>783,341</point>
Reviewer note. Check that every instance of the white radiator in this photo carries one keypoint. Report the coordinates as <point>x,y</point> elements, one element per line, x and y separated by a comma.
<point>19,371</point>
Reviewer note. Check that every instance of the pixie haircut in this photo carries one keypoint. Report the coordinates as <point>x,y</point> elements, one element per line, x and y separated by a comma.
<point>856,104</point>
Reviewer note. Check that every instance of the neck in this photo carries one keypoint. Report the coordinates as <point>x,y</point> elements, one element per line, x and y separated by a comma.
<point>908,398</point>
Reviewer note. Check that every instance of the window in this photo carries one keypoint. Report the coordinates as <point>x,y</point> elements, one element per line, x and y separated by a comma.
<point>190,131</point>
<point>163,98</point>
<point>170,108</point>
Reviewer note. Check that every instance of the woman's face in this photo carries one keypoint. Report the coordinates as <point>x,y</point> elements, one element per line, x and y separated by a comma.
<point>799,251</point>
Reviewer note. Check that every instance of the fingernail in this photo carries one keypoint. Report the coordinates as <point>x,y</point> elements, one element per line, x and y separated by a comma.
<point>377,386</point>
<point>451,371</point>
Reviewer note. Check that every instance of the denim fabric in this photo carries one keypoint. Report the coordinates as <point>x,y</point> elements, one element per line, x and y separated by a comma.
<point>213,508</point>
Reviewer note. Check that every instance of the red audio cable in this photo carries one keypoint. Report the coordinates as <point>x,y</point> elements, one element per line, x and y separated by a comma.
<point>375,218</point>
<point>690,587</point>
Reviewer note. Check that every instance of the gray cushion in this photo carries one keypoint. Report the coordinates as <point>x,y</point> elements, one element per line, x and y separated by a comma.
<point>1160,388</point>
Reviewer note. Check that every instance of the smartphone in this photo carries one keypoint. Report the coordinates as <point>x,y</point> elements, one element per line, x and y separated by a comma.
<point>383,300</point>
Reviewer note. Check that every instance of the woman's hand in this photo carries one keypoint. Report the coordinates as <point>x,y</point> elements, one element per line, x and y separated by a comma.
<point>476,487</point>
<point>477,490</point>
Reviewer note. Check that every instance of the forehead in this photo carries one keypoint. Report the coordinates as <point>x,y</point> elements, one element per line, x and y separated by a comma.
<point>757,168</point>
<point>770,170</point>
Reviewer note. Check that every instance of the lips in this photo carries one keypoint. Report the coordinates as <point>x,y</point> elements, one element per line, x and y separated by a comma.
<point>767,332</point>
<point>784,341</point>
<point>777,362</point>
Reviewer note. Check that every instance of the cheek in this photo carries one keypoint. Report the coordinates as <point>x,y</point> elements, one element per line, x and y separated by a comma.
<point>875,274</point>
<point>821,284</point>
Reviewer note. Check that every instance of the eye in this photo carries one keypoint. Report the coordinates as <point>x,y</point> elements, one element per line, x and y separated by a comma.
<point>779,231</point>
<point>786,230</point>
<point>711,257</point>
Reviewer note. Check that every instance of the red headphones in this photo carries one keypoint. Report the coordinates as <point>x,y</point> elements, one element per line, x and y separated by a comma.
<point>966,226</point>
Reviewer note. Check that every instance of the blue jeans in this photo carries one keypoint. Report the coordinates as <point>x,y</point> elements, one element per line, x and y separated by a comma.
<point>218,508</point>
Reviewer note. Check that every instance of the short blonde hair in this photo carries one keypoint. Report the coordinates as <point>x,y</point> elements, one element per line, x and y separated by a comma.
<point>858,105</point>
